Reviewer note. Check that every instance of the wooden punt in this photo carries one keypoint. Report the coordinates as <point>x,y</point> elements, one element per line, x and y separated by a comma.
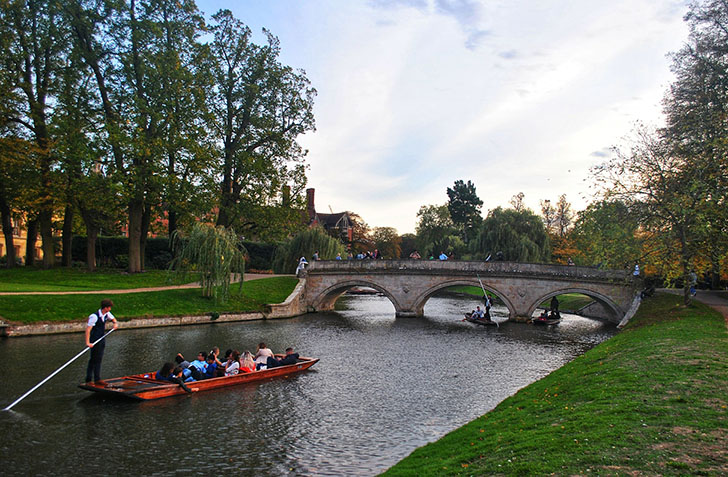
<point>144,387</point>
<point>477,321</point>
<point>545,321</point>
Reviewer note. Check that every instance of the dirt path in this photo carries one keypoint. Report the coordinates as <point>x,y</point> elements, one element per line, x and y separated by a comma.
<point>248,277</point>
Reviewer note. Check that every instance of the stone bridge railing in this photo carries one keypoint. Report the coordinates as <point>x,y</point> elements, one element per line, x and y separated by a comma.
<point>521,286</point>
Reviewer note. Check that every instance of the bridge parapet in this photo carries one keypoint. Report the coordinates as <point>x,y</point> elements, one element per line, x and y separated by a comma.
<point>467,267</point>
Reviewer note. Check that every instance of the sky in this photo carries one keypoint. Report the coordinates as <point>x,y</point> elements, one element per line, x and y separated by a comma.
<point>513,95</point>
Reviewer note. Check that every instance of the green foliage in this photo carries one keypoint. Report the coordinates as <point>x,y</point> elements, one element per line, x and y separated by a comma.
<point>649,401</point>
<point>260,107</point>
<point>260,255</point>
<point>213,253</point>
<point>520,235</point>
<point>464,207</point>
<point>387,241</point>
<point>436,232</point>
<point>606,233</point>
<point>304,245</point>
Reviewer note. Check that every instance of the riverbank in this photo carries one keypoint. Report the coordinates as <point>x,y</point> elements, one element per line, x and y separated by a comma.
<point>651,400</point>
<point>64,312</point>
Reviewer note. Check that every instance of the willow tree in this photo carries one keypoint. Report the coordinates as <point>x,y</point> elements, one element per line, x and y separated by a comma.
<point>520,235</point>
<point>314,239</point>
<point>212,253</point>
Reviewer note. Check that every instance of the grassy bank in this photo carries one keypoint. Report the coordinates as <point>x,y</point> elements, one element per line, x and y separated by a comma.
<point>38,308</point>
<point>567,302</point>
<point>649,401</point>
<point>23,279</point>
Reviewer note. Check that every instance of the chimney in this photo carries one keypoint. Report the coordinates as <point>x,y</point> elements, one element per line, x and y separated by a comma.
<point>310,206</point>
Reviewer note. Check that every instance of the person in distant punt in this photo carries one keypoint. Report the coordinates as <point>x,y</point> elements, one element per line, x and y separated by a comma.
<point>95,330</point>
<point>289,358</point>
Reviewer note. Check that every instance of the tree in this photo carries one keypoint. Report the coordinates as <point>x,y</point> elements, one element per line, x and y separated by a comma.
<point>564,216</point>
<point>695,107</point>
<point>387,241</point>
<point>436,231</point>
<point>305,244</point>
<point>607,234</point>
<point>259,108</point>
<point>408,244</point>
<point>361,240</point>
<point>668,196</point>
<point>548,212</point>
<point>214,254</point>
<point>517,202</point>
<point>464,207</point>
<point>33,55</point>
<point>518,235</point>
<point>132,49</point>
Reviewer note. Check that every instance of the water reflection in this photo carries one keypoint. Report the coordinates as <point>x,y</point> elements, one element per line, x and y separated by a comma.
<point>383,387</point>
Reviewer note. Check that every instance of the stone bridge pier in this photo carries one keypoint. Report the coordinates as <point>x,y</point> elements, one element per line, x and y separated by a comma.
<point>522,287</point>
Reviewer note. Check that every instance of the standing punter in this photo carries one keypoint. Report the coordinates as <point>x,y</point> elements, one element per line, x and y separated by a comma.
<point>95,330</point>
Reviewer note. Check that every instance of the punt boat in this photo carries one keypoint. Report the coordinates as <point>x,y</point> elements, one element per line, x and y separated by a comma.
<point>144,387</point>
<point>479,321</point>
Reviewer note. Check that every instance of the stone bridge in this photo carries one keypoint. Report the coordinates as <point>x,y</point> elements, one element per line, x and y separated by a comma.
<point>522,287</point>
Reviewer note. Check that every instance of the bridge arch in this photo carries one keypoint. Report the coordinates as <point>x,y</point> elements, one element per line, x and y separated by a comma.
<point>326,299</point>
<point>603,300</point>
<point>422,299</point>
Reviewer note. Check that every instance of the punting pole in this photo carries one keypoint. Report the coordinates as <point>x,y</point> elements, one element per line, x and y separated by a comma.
<point>55,372</point>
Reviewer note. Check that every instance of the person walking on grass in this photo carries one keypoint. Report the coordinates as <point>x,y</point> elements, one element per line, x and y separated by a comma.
<point>95,329</point>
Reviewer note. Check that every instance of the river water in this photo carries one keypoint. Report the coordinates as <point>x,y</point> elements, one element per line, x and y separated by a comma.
<point>384,386</point>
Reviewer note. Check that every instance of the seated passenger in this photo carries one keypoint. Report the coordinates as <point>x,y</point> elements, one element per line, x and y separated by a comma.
<point>233,365</point>
<point>174,375</point>
<point>290,358</point>
<point>211,371</point>
<point>478,314</point>
<point>186,370</point>
<point>262,355</point>
<point>200,364</point>
<point>247,363</point>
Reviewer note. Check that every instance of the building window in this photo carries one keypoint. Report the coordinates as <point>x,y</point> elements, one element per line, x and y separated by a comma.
<point>17,250</point>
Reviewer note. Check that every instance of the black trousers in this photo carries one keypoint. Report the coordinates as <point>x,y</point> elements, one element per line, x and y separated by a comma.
<point>94,363</point>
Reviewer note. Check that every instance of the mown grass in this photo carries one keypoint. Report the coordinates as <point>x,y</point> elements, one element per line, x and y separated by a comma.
<point>189,301</point>
<point>25,279</point>
<point>649,401</point>
<point>567,302</point>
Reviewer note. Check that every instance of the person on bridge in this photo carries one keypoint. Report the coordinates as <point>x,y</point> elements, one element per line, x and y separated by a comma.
<point>415,255</point>
<point>301,265</point>
<point>443,256</point>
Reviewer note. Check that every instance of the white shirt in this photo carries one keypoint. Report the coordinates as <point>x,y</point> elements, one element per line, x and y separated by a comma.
<point>93,317</point>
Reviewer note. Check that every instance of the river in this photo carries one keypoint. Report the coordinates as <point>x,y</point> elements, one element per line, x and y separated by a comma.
<point>384,386</point>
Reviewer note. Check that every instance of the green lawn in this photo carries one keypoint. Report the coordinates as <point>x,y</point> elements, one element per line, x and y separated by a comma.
<point>38,308</point>
<point>649,401</point>
<point>23,279</point>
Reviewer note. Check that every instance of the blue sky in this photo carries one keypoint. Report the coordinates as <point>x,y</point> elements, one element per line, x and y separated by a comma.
<point>516,96</point>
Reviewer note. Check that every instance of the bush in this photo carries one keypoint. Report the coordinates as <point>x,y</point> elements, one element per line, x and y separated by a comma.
<point>260,255</point>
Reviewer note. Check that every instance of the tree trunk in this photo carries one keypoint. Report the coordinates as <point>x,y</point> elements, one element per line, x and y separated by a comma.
<point>136,210</point>
<point>146,217</point>
<point>171,222</point>
<point>45,220</point>
<point>8,231</point>
<point>30,243</point>
<point>92,233</point>
<point>67,239</point>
